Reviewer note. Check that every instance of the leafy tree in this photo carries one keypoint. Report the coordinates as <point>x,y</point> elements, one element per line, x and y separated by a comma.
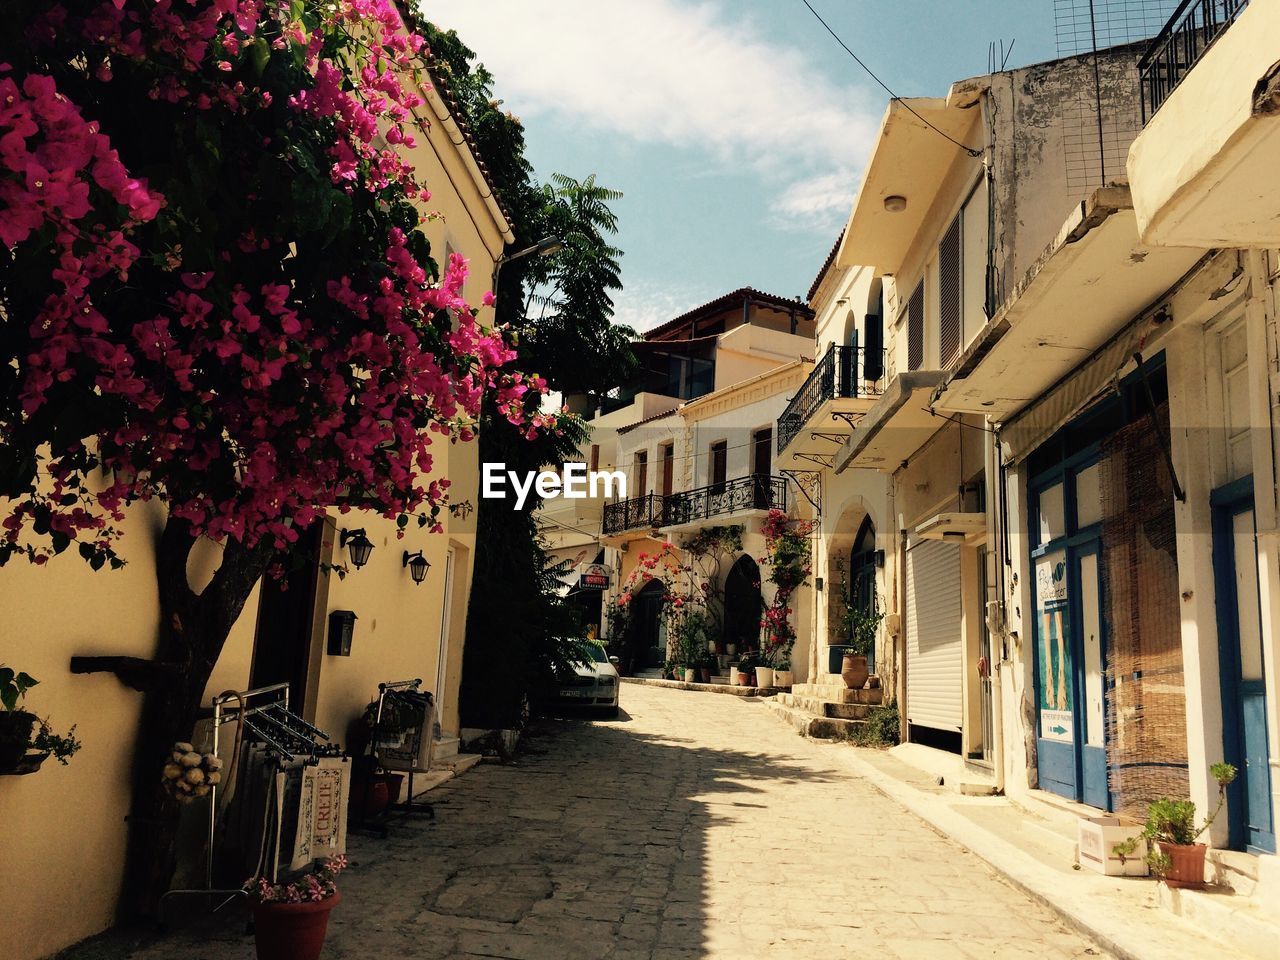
<point>215,293</point>
<point>562,305</point>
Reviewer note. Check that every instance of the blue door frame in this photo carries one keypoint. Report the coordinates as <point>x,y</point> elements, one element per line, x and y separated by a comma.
<point>1071,769</point>
<point>1244,714</point>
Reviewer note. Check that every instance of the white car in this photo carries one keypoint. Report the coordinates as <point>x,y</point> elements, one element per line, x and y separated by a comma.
<point>594,682</point>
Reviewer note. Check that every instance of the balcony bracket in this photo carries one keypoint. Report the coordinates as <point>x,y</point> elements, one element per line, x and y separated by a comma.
<point>827,460</point>
<point>836,438</point>
<point>809,483</point>
<point>850,418</point>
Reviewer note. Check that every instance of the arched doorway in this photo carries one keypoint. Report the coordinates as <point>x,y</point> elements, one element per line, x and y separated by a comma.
<point>644,644</point>
<point>743,604</point>
<point>862,570</point>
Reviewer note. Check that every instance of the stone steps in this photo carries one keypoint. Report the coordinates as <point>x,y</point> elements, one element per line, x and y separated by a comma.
<point>838,693</point>
<point>825,708</point>
<point>808,725</point>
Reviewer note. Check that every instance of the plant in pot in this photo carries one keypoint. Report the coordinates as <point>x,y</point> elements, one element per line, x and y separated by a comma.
<point>290,919</point>
<point>782,676</point>
<point>746,668</point>
<point>26,741</point>
<point>706,668</point>
<point>863,626</point>
<point>1176,855</point>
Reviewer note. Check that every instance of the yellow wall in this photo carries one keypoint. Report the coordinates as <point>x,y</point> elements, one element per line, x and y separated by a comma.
<point>64,826</point>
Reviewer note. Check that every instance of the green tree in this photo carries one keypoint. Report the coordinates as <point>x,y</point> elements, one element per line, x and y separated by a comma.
<point>562,304</point>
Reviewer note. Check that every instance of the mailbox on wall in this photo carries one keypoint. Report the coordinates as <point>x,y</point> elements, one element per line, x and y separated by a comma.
<point>342,627</point>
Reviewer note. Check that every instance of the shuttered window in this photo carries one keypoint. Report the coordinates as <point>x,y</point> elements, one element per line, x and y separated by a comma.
<point>949,294</point>
<point>915,328</point>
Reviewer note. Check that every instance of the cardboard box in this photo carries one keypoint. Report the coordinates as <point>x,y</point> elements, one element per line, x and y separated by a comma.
<point>1096,840</point>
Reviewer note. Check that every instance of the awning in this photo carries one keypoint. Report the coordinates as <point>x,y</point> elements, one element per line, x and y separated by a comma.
<point>896,427</point>
<point>1090,283</point>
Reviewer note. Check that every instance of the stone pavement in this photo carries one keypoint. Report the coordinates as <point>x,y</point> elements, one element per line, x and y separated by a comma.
<point>691,827</point>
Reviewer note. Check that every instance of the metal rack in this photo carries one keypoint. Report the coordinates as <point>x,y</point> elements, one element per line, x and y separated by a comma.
<point>288,737</point>
<point>406,757</point>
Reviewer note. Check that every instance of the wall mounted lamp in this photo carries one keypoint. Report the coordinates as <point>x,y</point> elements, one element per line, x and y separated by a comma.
<point>418,565</point>
<point>357,544</point>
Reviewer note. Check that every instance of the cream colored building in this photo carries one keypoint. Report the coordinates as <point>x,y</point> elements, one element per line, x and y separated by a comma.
<point>693,432</point>
<point>64,826</point>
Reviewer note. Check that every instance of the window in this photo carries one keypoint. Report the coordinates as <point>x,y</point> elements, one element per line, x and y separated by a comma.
<point>667,454</point>
<point>762,453</point>
<point>949,294</point>
<point>915,328</point>
<point>719,464</point>
<point>642,472</point>
<point>595,457</point>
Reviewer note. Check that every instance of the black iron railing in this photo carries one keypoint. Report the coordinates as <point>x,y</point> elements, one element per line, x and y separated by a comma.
<point>1176,48</point>
<point>842,372</point>
<point>760,491</point>
<point>633,514</point>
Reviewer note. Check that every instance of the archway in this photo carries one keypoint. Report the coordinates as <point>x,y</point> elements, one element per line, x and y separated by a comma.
<point>743,604</point>
<point>862,571</point>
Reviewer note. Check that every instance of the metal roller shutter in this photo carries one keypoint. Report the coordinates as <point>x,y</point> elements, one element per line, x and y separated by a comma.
<point>934,657</point>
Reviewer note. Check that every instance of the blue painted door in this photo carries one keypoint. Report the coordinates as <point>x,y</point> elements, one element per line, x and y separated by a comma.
<point>1244,697</point>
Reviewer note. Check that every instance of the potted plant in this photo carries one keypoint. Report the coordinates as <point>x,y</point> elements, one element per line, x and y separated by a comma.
<point>764,674</point>
<point>746,668</point>
<point>290,919</point>
<point>863,627</point>
<point>705,668</point>
<point>26,741</point>
<point>782,676</point>
<point>1176,856</point>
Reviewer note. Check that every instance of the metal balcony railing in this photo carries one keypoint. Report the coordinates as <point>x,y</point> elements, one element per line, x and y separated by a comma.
<point>1176,48</point>
<point>842,372</point>
<point>759,491</point>
<point>634,514</point>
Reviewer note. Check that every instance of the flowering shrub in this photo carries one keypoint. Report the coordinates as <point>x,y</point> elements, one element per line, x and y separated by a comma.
<point>312,888</point>
<point>789,556</point>
<point>254,330</point>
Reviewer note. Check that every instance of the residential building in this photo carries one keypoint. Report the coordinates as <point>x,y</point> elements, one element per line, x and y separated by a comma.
<point>1128,380</point>
<point>694,434</point>
<point>403,630</point>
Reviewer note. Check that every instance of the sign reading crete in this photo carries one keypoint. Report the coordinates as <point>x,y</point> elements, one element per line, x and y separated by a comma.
<point>576,483</point>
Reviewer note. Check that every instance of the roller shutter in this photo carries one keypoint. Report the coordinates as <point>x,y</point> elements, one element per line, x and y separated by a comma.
<point>934,627</point>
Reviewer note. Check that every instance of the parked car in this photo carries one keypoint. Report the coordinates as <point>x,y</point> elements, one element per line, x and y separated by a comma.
<point>593,683</point>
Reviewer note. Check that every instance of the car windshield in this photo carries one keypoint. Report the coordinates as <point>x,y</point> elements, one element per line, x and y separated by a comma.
<point>596,652</point>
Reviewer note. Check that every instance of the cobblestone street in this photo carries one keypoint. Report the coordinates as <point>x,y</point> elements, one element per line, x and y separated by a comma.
<point>693,826</point>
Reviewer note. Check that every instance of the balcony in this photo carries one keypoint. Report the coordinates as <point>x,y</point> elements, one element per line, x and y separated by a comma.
<point>843,383</point>
<point>1202,171</point>
<point>638,513</point>
<point>1194,26</point>
<point>756,492</point>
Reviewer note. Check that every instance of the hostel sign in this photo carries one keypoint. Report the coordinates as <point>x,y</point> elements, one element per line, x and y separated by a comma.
<point>594,577</point>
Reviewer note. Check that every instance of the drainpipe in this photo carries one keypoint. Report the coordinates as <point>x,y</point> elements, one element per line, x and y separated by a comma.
<point>995,609</point>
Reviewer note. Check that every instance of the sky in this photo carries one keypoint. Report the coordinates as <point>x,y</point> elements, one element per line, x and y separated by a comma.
<point>736,129</point>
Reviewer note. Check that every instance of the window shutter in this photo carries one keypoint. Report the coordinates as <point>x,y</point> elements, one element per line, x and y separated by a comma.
<point>949,293</point>
<point>915,328</point>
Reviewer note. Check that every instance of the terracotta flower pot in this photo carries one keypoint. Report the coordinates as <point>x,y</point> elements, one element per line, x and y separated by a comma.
<point>292,931</point>
<point>854,671</point>
<point>744,679</point>
<point>1186,864</point>
<point>706,674</point>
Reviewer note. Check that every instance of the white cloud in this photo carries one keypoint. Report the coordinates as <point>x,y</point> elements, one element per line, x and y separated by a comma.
<point>820,202</point>
<point>696,75</point>
<point>645,304</point>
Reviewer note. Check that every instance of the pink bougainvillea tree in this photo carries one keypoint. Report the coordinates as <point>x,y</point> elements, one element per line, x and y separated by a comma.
<point>215,293</point>
<point>789,555</point>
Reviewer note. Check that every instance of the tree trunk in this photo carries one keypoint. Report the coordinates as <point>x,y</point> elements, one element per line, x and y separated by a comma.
<point>193,629</point>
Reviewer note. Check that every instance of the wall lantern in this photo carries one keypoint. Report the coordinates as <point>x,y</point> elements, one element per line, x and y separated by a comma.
<point>895,203</point>
<point>418,565</point>
<point>357,544</point>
